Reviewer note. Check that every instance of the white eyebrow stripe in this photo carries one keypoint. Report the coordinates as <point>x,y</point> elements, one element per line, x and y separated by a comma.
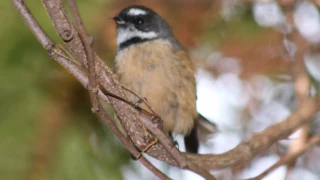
<point>124,35</point>
<point>135,12</point>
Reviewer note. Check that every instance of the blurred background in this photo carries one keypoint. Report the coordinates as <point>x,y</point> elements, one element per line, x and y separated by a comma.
<point>247,53</point>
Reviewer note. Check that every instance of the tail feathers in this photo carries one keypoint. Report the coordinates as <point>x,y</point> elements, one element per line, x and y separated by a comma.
<point>206,129</point>
<point>202,131</point>
<point>191,140</point>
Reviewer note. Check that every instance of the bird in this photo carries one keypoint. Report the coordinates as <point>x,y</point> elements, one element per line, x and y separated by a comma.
<point>153,64</point>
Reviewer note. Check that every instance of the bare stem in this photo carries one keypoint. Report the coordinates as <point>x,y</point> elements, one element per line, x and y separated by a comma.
<point>290,156</point>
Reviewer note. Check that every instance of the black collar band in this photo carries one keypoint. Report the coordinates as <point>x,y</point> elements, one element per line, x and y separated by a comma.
<point>132,41</point>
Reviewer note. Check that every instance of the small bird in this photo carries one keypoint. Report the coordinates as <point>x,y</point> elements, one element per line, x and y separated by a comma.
<point>153,64</point>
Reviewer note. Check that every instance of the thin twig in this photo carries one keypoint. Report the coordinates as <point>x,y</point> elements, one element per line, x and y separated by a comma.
<point>65,29</point>
<point>164,140</point>
<point>144,101</point>
<point>131,148</point>
<point>295,51</point>
<point>152,168</point>
<point>201,171</point>
<point>93,88</point>
<point>107,93</point>
<point>290,156</point>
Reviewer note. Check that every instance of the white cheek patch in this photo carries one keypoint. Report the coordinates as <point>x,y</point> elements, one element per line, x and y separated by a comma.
<point>125,35</point>
<point>136,12</point>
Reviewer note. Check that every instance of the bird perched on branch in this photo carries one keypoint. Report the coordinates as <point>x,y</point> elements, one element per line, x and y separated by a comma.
<point>152,63</point>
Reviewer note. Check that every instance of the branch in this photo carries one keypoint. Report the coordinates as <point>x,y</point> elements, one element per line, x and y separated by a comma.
<point>260,141</point>
<point>290,156</point>
<point>153,126</point>
<point>93,88</point>
<point>302,82</point>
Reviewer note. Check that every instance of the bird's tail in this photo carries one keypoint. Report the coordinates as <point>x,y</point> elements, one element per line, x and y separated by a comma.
<point>201,132</point>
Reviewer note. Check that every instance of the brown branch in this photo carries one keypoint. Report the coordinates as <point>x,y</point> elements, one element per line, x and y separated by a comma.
<point>315,140</point>
<point>93,88</point>
<point>197,168</point>
<point>65,29</point>
<point>130,146</point>
<point>154,127</point>
<point>295,57</point>
<point>260,141</point>
<point>144,100</point>
<point>152,168</point>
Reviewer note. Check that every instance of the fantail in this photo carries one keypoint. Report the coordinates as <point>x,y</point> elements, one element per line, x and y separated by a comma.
<point>152,63</point>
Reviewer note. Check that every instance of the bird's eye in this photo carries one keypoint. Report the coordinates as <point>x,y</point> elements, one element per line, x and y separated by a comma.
<point>139,21</point>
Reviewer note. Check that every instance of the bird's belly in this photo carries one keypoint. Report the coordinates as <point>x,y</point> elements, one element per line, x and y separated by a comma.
<point>153,71</point>
<point>159,96</point>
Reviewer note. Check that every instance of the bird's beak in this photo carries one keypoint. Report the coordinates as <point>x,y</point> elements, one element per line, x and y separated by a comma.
<point>119,20</point>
